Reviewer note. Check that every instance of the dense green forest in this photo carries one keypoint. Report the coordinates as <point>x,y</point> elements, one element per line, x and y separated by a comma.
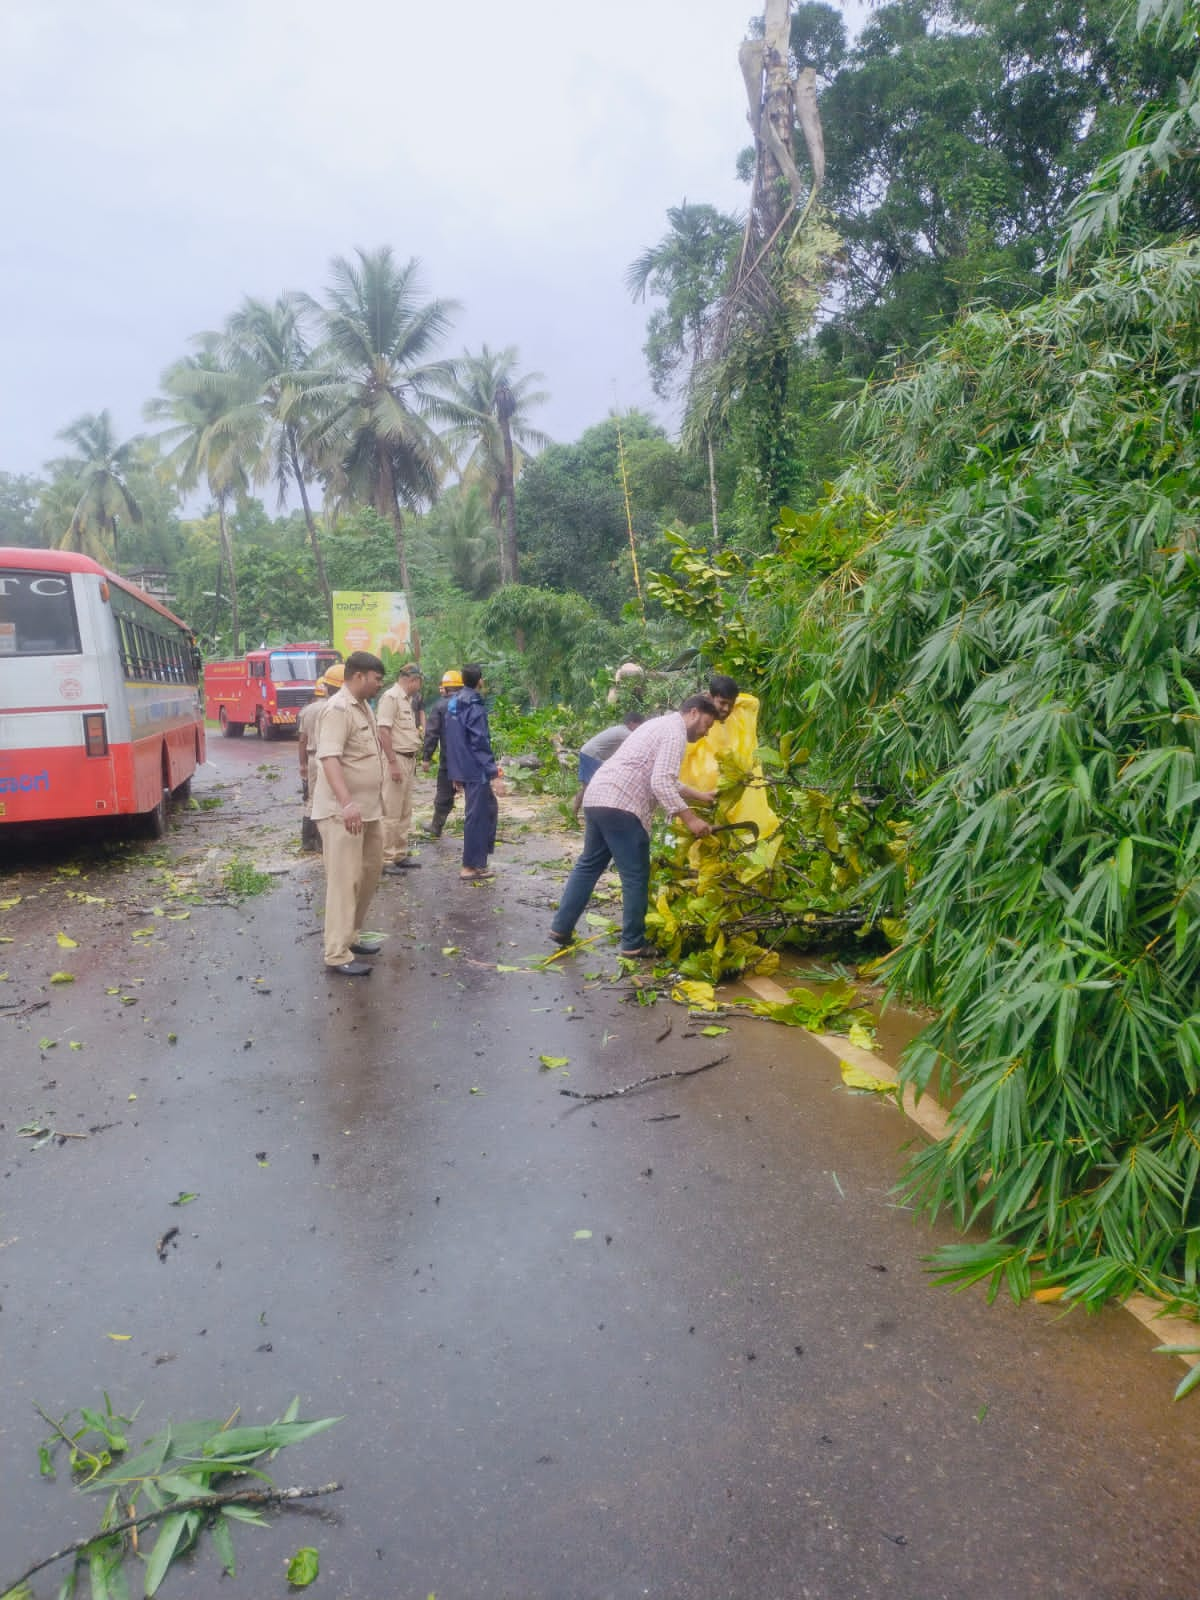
<point>935,499</point>
<point>332,440</point>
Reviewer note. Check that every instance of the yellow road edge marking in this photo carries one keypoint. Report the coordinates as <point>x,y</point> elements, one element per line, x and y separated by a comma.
<point>934,1120</point>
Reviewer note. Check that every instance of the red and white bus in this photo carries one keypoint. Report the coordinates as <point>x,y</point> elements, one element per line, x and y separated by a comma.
<point>100,707</point>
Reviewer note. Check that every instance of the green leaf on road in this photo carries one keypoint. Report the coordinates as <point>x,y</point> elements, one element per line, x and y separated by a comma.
<point>222,1538</point>
<point>552,1063</point>
<point>170,1532</point>
<point>303,1567</point>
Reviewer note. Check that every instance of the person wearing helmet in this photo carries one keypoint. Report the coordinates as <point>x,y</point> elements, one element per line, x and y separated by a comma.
<point>473,768</point>
<point>310,838</point>
<point>435,731</point>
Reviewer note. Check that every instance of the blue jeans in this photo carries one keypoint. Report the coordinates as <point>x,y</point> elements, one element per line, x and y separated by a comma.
<point>615,836</point>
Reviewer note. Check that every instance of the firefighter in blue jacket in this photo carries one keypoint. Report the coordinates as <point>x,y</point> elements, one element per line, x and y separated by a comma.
<point>473,769</point>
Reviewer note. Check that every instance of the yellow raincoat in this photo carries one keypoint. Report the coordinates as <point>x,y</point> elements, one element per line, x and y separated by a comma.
<point>737,736</point>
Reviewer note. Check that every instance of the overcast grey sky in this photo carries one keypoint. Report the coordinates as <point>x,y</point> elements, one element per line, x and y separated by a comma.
<point>164,157</point>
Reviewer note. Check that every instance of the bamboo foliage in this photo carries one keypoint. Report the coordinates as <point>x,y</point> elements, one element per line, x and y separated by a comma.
<point>1024,658</point>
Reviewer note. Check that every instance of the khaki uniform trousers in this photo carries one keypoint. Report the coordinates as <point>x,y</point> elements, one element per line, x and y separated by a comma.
<point>352,865</point>
<point>397,809</point>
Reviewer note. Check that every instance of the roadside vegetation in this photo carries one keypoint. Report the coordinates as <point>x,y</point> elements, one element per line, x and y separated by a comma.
<point>935,500</point>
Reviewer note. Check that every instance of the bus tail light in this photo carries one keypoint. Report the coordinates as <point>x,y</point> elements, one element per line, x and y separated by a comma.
<point>95,733</point>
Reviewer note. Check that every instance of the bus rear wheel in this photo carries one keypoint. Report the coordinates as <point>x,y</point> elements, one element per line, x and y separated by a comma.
<point>154,821</point>
<point>230,730</point>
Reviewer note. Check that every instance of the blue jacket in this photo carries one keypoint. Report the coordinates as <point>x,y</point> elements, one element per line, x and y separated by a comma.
<point>467,739</point>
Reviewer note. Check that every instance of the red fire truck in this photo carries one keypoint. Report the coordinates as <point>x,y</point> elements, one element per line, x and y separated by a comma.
<point>266,689</point>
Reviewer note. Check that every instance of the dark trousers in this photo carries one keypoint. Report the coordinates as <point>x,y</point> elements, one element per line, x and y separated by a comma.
<point>443,798</point>
<point>616,836</point>
<point>479,825</point>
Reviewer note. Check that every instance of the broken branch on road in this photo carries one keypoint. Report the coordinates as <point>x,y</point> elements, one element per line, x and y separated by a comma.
<point>199,1502</point>
<point>655,1077</point>
<point>20,1010</point>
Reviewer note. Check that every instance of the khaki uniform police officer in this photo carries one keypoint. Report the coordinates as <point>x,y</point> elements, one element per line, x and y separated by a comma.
<point>306,724</point>
<point>401,741</point>
<point>348,809</point>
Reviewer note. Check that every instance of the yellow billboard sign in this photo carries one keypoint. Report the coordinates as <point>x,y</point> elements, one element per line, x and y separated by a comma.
<point>376,622</point>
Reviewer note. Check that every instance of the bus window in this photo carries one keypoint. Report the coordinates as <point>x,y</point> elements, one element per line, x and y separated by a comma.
<point>145,654</point>
<point>123,644</point>
<point>37,615</point>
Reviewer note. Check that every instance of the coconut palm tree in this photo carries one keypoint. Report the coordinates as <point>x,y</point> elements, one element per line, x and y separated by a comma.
<point>265,347</point>
<point>374,438</point>
<point>461,532</point>
<point>688,268</point>
<point>98,480</point>
<point>493,438</point>
<point>52,513</point>
<point>214,433</point>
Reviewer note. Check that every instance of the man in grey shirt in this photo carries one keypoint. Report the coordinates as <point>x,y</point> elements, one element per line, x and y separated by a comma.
<point>598,749</point>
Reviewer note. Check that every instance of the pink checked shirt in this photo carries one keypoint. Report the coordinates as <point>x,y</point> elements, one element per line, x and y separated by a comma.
<point>644,772</point>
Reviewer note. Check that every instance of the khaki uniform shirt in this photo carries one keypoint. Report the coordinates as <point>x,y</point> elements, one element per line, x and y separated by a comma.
<point>396,713</point>
<point>307,725</point>
<point>347,730</point>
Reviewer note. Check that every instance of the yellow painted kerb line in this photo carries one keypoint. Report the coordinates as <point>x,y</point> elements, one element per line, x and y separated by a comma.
<point>932,1119</point>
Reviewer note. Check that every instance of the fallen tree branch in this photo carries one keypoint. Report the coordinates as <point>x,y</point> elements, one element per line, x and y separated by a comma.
<point>199,1502</point>
<point>657,1077</point>
<point>19,1010</point>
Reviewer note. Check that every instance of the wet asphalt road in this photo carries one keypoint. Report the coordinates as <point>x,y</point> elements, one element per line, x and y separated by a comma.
<point>678,1344</point>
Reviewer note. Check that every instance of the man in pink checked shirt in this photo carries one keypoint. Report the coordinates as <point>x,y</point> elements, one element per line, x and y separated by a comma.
<point>618,806</point>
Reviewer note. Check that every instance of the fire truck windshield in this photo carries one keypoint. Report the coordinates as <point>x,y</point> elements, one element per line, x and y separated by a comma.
<point>299,666</point>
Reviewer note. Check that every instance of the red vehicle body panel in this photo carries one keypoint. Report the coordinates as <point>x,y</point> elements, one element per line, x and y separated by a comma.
<point>101,714</point>
<point>266,689</point>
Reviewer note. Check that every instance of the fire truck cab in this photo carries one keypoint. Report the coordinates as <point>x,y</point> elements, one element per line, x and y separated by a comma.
<point>265,689</point>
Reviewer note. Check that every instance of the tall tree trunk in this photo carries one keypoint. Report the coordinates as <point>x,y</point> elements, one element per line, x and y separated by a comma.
<point>227,552</point>
<point>780,181</point>
<point>318,555</point>
<point>496,512</point>
<point>505,407</point>
<point>390,508</point>
<point>116,546</point>
<point>712,490</point>
<point>511,558</point>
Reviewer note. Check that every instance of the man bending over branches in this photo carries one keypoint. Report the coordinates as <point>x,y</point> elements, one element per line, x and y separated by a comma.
<point>618,806</point>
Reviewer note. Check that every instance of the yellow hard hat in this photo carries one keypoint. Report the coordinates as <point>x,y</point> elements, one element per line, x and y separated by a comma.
<point>334,676</point>
<point>319,690</point>
<point>452,679</point>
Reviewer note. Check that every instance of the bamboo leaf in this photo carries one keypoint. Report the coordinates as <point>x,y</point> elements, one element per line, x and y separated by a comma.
<point>170,1531</point>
